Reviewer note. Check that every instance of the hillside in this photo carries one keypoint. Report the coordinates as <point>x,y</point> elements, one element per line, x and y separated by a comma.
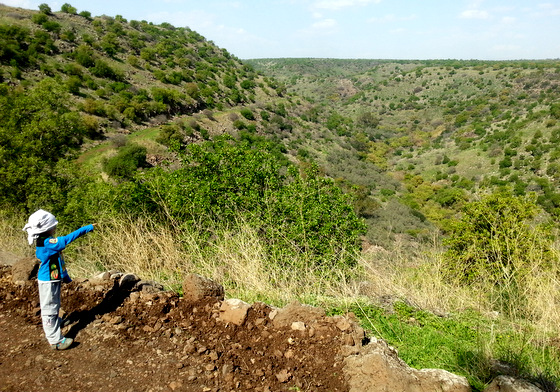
<point>445,130</point>
<point>422,196</point>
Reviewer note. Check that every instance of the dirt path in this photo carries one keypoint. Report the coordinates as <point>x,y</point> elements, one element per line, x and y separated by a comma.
<point>159,342</point>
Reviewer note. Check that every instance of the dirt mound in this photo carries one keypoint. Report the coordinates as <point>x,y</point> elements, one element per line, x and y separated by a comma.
<point>131,336</point>
<point>137,341</point>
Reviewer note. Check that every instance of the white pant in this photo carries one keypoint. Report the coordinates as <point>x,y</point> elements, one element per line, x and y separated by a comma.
<point>49,298</point>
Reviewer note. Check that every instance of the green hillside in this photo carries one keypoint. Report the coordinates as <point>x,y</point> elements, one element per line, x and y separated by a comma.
<point>445,130</point>
<point>420,195</point>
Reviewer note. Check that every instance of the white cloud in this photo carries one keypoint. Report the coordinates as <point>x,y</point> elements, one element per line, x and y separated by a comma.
<point>475,14</point>
<point>325,27</point>
<point>509,19</point>
<point>335,5</point>
<point>19,3</point>
<point>324,24</point>
<point>392,18</point>
<point>506,48</point>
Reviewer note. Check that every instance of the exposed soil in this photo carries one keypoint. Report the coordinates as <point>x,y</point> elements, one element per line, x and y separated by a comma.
<point>134,341</point>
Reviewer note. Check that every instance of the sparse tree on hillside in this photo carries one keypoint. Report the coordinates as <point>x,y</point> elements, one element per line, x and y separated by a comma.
<point>45,9</point>
<point>68,9</point>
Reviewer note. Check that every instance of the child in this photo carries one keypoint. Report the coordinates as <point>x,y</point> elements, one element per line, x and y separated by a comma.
<point>42,227</point>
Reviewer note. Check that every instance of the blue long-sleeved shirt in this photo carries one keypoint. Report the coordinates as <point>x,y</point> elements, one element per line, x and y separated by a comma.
<point>49,252</point>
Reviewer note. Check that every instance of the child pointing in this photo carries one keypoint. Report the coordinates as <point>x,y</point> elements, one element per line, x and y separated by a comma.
<point>41,227</point>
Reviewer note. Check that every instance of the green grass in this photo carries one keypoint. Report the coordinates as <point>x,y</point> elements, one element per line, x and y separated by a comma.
<point>466,343</point>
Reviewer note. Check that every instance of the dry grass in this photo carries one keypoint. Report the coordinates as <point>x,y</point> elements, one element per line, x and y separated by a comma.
<point>235,258</point>
<point>13,239</point>
<point>238,260</point>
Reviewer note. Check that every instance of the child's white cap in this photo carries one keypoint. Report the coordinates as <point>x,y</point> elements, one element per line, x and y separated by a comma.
<point>39,222</point>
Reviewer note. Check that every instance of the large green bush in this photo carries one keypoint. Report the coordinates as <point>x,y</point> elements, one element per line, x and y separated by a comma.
<point>37,130</point>
<point>497,240</point>
<point>126,162</point>
<point>224,182</point>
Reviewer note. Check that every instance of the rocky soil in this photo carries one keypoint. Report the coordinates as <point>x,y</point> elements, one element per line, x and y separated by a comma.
<point>130,336</point>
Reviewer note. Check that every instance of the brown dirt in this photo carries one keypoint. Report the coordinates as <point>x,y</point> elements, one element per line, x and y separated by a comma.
<point>131,341</point>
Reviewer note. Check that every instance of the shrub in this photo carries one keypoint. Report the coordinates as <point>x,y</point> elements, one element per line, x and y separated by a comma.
<point>239,124</point>
<point>170,135</point>
<point>84,56</point>
<point>86,14</point>
<point>45,9</point>
<point>68,9</point>
<point>247,113</point>
<point>126,162</point>
<point>222,182</point>
<point>496,238</point>
<point>102,69</point>
<point>51,26</point>
<point>37,130</point>
<point>39,18</point>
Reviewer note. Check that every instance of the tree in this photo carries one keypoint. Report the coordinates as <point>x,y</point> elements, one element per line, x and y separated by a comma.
<point>497,240</point>
<point>37,130</point>
<point>126,162</point>
<point>45,9</point>
<point>368,120</point>
<point>223,182</point>
<point>68,9</point>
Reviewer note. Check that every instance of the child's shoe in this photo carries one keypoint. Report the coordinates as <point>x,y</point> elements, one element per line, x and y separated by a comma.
<point>66,343</point>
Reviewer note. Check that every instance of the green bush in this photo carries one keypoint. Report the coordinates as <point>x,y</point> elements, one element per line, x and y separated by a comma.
<point>222,182</point>
<point>126,162</point>
<point>39,18</point>
<point>247,113</point>
<point>45,9</point>
<point>496,239</point>
<point>86,14</point>
<point>68,9</point>
<point>37,130</point>
<point>52,26</point>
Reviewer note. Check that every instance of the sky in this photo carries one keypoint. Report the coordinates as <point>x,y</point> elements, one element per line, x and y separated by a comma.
<point>352,29</point>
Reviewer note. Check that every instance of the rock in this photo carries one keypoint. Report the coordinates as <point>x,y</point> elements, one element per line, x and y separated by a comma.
<point>148,286</point>
<point>377,368</point>
<point>441,380</point>
<point>175,385</point>
<point>298,326</point>
<point>342,323</point>
<point>24,270</point>
<point>283,376</point>
<point>7,258</point>
<point>102,276</point>
<point>295,311</point>
<point>127,281</point>
<point>196,287</point>
<point>234,311</point>
<point>511,384</point>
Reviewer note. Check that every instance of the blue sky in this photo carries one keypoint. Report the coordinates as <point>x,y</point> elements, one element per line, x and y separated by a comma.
<point>372,29</point>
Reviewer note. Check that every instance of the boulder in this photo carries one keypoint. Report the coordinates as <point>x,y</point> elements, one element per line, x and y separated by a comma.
<point>25,270</point>
<point>511,384</point>
<point>296,312</point>
<point>127,281</point>
<point>234,311</point>
<point>148,286</point>
<point>196,287</point>
<point>378,368</point>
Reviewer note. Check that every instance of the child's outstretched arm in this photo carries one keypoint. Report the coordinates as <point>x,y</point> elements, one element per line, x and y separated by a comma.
<point>59,243</point>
